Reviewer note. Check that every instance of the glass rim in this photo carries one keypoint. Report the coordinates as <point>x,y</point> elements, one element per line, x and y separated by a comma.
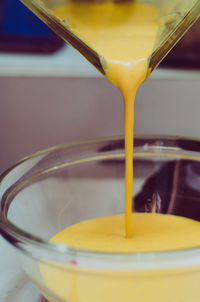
<point>14,234</point>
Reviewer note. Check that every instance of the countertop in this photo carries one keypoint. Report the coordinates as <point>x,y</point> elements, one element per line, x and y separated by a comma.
<point>67,62</point>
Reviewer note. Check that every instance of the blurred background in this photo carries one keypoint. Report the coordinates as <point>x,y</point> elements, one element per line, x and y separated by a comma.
<point>49,94</point>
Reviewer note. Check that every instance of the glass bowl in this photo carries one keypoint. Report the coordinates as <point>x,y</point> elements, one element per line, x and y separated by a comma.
<point>63,185</point>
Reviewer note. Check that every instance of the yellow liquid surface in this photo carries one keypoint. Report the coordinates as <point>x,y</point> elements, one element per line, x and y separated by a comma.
<point>151,232</point>
<point>123,35</point>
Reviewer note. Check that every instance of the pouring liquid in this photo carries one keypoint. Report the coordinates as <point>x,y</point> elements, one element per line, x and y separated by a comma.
<point>123,35</point>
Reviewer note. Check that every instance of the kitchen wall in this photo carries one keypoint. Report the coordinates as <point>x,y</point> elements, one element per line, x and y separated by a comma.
<point>41,110</point>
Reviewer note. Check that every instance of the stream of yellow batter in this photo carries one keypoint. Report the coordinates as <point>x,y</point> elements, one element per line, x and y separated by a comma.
<point>123,35</point>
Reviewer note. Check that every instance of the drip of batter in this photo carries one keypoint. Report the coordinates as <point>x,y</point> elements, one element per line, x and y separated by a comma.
<point>123,35</point>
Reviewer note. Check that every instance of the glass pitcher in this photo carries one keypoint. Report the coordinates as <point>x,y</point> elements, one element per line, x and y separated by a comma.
<point>176,18</point>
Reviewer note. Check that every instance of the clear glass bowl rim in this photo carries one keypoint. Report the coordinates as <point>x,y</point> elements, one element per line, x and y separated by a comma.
<point>59,252</point>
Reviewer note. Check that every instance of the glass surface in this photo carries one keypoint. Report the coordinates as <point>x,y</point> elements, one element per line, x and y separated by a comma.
<point>186,54</point>
<point>177,16</point>
<point>66,184</point>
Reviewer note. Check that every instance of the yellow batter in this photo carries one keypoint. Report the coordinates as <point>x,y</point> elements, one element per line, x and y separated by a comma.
<point>123,35</point>
<point>151,232</point>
